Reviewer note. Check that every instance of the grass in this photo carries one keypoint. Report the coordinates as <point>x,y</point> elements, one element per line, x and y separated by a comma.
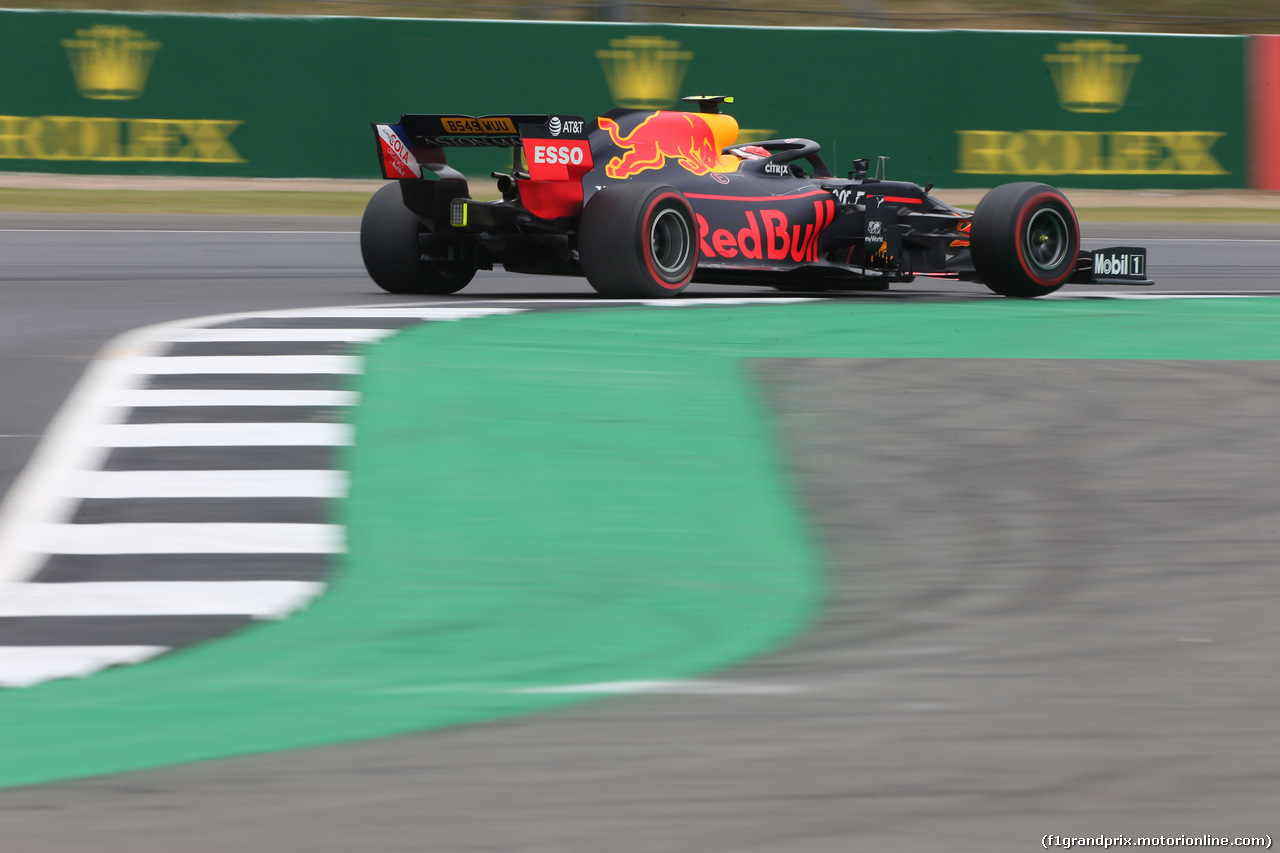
<point>262,203</point>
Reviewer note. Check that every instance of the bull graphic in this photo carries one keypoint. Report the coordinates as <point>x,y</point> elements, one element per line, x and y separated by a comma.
<point>686,137</point>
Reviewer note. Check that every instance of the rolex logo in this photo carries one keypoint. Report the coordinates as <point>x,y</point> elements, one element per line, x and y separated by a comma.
<point>1092,75</point>
<point>644,72</point>
<point>110,63</point>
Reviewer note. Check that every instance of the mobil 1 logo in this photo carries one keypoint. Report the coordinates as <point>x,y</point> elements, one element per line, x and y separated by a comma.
<point>1120,263</point>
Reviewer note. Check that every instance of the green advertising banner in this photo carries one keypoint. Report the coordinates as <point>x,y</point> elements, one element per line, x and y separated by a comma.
<point>293,97</point>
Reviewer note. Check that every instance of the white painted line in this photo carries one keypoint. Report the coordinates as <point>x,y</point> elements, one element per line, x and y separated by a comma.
<point>242,364</point>
<point>1082,295</point>
<point>396,312</point>
<point>427,312</point>
<point>728,301</point>
<point>689,687</point>
<point>358,336</point>
<point>141,398</point>
<point>192,538</point>
<point>223,435</point>
<point>105,485</point>
<point>259,599</point>
<point>1208,241</point>
<point>683,687</point>
<point>23,666</point>
<point>226,231</point>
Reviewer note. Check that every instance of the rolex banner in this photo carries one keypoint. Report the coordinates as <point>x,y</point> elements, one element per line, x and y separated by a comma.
<point>293,97</point>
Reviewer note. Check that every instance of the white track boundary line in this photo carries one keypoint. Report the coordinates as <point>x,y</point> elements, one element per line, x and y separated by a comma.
<point>169,365</point>
<point>25,666</point>
<point>257,599</point>
<point>224,483</point>
<point>299,434</point>
<point>209,537</point>
<point>143,398</point>
<point>352,336</point>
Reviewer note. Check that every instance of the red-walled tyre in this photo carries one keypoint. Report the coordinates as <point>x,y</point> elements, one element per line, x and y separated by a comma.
<point>638,241</point>
<point>1025,240</point>
<point>392,254</point>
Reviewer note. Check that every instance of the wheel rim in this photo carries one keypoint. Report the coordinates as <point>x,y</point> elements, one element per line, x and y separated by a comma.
<point>670,243</point>
<point>1046,238</point>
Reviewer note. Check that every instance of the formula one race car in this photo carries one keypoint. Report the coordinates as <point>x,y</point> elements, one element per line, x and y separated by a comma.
<point>644,202</point>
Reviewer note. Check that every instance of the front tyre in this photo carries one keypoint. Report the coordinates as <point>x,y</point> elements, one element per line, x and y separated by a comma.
<point>392,251</point>
<point>1025,240</point>
<point>638,241</point>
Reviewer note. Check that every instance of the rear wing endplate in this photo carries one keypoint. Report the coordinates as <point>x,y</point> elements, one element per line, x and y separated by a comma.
<point>415,146</point>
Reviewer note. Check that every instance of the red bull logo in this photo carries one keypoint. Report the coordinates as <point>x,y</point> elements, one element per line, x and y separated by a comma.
<point>685,137</point>
<point>771,237</point>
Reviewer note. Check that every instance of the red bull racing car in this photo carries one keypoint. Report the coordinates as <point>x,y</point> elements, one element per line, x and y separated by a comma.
<point>644,202</point>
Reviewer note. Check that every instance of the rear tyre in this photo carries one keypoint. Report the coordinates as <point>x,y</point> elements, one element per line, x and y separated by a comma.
<point>392,252</point>
<point>1025,240</point>
<point>638,241</point>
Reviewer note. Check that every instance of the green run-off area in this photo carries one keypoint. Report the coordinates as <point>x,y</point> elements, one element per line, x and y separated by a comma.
<point>556,499</point>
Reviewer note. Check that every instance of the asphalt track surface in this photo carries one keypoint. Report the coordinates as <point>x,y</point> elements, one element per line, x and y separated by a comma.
<point>1052,604</point>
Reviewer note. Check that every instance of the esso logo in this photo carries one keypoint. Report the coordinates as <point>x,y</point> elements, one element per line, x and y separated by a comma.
<point>558,155</point>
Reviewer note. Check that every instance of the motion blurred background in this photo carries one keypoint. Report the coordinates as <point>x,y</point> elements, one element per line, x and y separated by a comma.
<point>1171,16</point>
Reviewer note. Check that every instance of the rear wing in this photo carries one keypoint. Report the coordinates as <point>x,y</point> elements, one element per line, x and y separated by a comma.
<point>556,150</point>
<point>459,131</point>
<point>415,146</point>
